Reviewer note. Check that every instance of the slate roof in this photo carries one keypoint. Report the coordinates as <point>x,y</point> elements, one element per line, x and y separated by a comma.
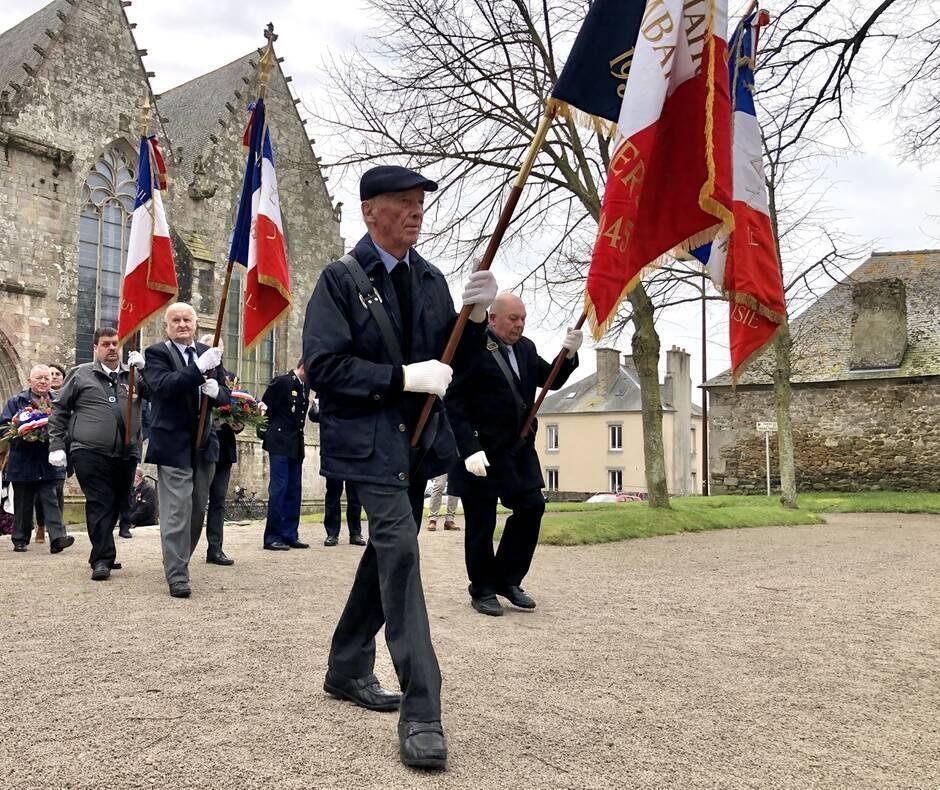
<point>17,45</point>
<point>582,397</point>
<point>192,111</point>
<point>822,334</point>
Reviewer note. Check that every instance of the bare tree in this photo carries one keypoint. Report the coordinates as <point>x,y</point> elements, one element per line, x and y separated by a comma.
<point>459,86</point>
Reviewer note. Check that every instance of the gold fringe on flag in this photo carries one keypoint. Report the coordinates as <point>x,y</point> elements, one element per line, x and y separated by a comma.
<point>580,118</point>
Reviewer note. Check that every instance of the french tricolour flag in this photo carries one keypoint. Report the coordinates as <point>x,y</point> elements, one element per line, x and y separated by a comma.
<point>669,180</point>
<point>149,277</point>
<point>258,237</point>
<point>743,264</point>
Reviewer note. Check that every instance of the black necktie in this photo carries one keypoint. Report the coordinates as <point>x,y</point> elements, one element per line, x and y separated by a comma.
<point>401,279</point>
<point>190,355</point>
<point>114,379</point>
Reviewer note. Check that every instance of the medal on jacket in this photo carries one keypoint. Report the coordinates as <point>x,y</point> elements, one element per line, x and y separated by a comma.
<point>112,399</point>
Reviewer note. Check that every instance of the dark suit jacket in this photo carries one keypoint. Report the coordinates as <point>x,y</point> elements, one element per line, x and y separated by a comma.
<point>485,417</point>
<point>174,401</point>
<point>287,399</point>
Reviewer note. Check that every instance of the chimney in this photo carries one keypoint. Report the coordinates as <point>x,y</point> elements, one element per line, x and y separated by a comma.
<point>879,324</point>
<point>630,366</point>
<point>608,369</point>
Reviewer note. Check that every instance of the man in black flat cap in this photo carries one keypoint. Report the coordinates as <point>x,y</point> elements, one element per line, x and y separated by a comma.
<point>377,322</point>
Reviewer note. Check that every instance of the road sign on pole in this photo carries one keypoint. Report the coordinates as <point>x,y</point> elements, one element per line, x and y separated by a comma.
<point>767,427</point>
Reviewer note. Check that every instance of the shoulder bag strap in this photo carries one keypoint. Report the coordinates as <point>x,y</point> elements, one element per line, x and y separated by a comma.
<point>372,302</point>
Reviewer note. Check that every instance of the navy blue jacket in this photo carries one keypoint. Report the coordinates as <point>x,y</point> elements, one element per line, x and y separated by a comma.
<point>28,461</point>
<point>485,417</point>
<point>174,402</point>
<point>228,445</point>
<point>287,398</point>
<point>365,418</point>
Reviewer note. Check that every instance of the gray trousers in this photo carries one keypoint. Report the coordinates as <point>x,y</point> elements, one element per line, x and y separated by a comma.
<point>387,591</point>
<point>437,493</point>
<point>183,497</point>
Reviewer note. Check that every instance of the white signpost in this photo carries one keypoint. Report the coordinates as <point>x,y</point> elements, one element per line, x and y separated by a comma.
<point>767,427</point>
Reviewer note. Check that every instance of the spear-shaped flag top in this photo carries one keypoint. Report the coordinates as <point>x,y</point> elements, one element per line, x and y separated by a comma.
<point>150,276</point>
<point>258,238</point>
<point>669,180</point>
<point>744,264</point>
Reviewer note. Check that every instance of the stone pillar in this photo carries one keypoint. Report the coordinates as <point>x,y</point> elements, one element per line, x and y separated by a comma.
<point>677,391</point>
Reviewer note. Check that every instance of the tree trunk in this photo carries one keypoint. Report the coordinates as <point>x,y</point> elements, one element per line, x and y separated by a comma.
<point>646,356</point>
<point>782,396</point>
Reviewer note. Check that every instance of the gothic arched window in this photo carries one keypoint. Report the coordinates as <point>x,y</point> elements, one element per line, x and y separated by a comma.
<point>107,205</point>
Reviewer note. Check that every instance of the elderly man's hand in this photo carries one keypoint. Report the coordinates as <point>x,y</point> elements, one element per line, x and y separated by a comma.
<point>211,388</point>
<point>476,464</point>
<point>480,291</point>
<point>57,459</point>
<point>209,359</point>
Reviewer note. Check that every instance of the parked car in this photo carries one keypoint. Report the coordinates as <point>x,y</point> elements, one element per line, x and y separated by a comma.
<point>613,497</point>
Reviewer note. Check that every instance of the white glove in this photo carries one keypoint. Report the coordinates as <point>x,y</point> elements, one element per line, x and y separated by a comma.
<point>476,464</point>
<point>573,341</point>
<point>136,360</point>
<point>57,459</point>
<point>211,388</point>
<point>429,376</point>
<point>262,407</point>
<point>480,291</point>
<point>209,359</point>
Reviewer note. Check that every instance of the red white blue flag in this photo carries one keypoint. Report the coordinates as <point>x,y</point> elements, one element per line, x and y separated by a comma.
<point>743,264</point>
<point>258,237</point>
<point>669,180</point>
<point>150,276</point>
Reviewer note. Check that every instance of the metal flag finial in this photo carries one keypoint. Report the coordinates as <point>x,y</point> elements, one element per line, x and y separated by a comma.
<point>267,60</point>
<point>145,115</point>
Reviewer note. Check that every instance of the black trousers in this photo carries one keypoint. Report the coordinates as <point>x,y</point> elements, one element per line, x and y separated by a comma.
<point>25,496</point>
<point>491,572</point>
<point>60,493</point>
<point>215,512</point>
<point>106,483</point>
<point>387,590</point>
<point>332,508</point>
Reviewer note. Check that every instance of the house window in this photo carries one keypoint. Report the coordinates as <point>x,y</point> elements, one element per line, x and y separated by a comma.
<point>108,196</point>
<point>615,436</point>
<point>615,480</point>
<point>551,479</point>
<point>551,436</point>
<point>254,369</point>
<point>693,442</point>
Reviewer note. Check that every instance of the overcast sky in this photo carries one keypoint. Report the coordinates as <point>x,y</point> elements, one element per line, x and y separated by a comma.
<point>882,202</point>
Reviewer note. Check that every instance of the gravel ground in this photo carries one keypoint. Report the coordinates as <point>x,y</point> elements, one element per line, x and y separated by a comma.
<point>768,658</point>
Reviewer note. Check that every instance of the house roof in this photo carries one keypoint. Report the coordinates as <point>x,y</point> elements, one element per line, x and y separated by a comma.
<point>192,111</point>
<point>582,397</point>
<point>27,41</point>
<point>822,335</point>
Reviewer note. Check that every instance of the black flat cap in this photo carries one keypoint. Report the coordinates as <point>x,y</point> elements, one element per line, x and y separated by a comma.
<point>391,178</point>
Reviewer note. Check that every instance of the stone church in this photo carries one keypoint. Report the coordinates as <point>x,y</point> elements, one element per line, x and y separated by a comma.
<point>865,388</point>
<point>71,85</point>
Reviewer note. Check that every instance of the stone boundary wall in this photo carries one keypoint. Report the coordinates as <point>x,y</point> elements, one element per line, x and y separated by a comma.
<point>849,436</point>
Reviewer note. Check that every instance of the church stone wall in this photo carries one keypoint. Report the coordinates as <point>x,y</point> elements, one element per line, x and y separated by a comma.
<point>79,101</point>
<point>849,436</point>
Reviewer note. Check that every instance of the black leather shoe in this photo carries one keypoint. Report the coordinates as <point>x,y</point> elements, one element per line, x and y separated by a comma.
<point>357,540</point>
<point>125,533</point>
<point>101,570</point>
<point>299,544</point>
<point>180,590</point>
<point>276,546</point>
<point>487,604</point>
<point>60,543</point>
<point>518,597</point>
<point>331,540</point>
<point>219,558</point>
<point>19,546</point>
<point>422,744</point>
<point>365,692</point>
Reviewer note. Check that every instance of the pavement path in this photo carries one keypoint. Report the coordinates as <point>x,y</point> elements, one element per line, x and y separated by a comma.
<point>801,657</point>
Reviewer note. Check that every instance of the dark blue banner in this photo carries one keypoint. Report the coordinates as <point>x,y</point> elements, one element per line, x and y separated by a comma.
<point>595,75</point>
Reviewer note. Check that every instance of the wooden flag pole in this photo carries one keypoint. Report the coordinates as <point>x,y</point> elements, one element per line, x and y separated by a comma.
<point>132,374</point>
<point>265,66</point>
<point>496,239</point>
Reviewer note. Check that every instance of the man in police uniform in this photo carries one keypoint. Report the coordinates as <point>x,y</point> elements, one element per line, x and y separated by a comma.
<point>286,399</point>
<point>488,403</point>
<point>372,364</point>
